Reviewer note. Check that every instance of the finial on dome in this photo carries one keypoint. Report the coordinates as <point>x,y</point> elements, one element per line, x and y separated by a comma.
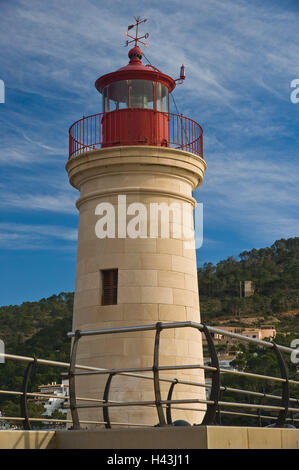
<point>135,54</point>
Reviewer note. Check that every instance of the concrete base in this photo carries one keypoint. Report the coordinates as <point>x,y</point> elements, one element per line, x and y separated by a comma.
<point>205,437</point>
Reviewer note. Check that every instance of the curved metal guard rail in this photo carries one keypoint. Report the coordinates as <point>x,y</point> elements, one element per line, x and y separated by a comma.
<point>214,406</point>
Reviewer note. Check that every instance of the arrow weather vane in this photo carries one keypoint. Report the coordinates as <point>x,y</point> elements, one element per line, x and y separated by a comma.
<point>136,39</point>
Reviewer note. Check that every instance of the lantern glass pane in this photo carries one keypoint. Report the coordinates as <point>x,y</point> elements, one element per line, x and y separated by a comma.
<point>135,94</point>
<point>141,94</point>
<point>162,98</point>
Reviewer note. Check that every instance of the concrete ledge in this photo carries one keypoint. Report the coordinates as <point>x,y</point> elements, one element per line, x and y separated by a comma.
<point>27,439</point>
<point>209,437</point>
<point>205,437</point>
<point>144,438</point>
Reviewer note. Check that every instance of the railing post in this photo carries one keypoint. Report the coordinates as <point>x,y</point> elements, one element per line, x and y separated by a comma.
<point>72,384</point>
<point>105,399</point>
<point>285,396</point>
<point>182,131</point>
<point>218,419</point>
<point>259,412</point>
<point>211,412</point>
<point>169,397</point>
<point>23,400</point>
<point>70,144</point>
<point>156,376</point>
<point>83,133</point>
<point>292,418</point>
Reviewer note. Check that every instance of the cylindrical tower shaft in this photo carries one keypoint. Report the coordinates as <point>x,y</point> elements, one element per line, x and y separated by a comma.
<point>152,279</point>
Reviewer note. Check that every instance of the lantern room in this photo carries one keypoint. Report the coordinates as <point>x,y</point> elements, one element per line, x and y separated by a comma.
<point>135,86</point>
<point>135,109</point>
<point>135,104</point>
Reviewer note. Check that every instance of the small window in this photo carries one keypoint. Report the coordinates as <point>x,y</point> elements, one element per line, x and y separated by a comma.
<point>109,286</point>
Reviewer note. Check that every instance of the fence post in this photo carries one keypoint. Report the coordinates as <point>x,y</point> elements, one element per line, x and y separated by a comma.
<point>259,412</point>
<point>182,131</point>
<point>168,406</point>
<point>83,133</point>
<point>156,376</point>
<point>23,400</point>
<point>72,385</point>
<point>285,396</point>
<point>105,399</point>
<point>211,412</point>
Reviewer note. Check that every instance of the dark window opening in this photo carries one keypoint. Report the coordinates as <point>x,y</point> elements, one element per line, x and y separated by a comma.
<point>109,286</point>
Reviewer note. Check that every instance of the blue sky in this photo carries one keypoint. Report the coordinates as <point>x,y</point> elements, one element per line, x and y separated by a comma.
<point>240,57</point>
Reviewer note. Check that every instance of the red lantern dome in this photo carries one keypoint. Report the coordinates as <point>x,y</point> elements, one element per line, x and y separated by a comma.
<point>135,100</point>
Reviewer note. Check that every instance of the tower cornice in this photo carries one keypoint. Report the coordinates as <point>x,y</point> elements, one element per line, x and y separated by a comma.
<point>145,159</point>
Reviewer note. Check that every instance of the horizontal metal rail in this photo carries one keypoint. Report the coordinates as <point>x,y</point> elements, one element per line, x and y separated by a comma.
<point>196,384</point>
<point>251,415</point>
<point>183,367</point>
<point>190,324</point>
<point>97,370</point>
<point>101,403</point>
<point>44,395</point>
<point>52,420</point>
<point>195,400</point>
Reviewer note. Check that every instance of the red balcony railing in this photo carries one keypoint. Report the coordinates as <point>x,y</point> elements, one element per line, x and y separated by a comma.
<point>135,127</point>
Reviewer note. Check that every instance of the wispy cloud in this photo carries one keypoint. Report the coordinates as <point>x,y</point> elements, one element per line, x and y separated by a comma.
<point>40,144</point>
<point>35,237</point>
<point>60,203</point>
<point>258,197</point>
<point>240,57</point>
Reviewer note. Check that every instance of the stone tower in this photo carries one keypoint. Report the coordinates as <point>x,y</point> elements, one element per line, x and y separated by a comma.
<point>136,165</point>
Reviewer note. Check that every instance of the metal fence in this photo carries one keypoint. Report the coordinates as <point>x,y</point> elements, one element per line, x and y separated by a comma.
<point>93,132</point>
<point>287,409</point>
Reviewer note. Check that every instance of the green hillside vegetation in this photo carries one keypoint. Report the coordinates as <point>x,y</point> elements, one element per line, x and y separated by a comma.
<point>39,328</point>
<point>35,329</point>
<point>275,274</point>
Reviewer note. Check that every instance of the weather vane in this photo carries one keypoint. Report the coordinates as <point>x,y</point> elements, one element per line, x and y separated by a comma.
<point>136,39</point>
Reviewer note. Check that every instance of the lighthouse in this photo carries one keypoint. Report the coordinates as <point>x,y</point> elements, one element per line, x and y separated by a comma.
<point>135,165</point>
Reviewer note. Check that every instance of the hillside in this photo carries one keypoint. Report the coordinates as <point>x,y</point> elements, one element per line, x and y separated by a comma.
<point>275,274</point>
<point>35,329</point>
<point>39,328</point>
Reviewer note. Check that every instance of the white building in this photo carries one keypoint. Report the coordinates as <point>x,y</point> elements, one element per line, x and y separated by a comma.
<point>54,402</point>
